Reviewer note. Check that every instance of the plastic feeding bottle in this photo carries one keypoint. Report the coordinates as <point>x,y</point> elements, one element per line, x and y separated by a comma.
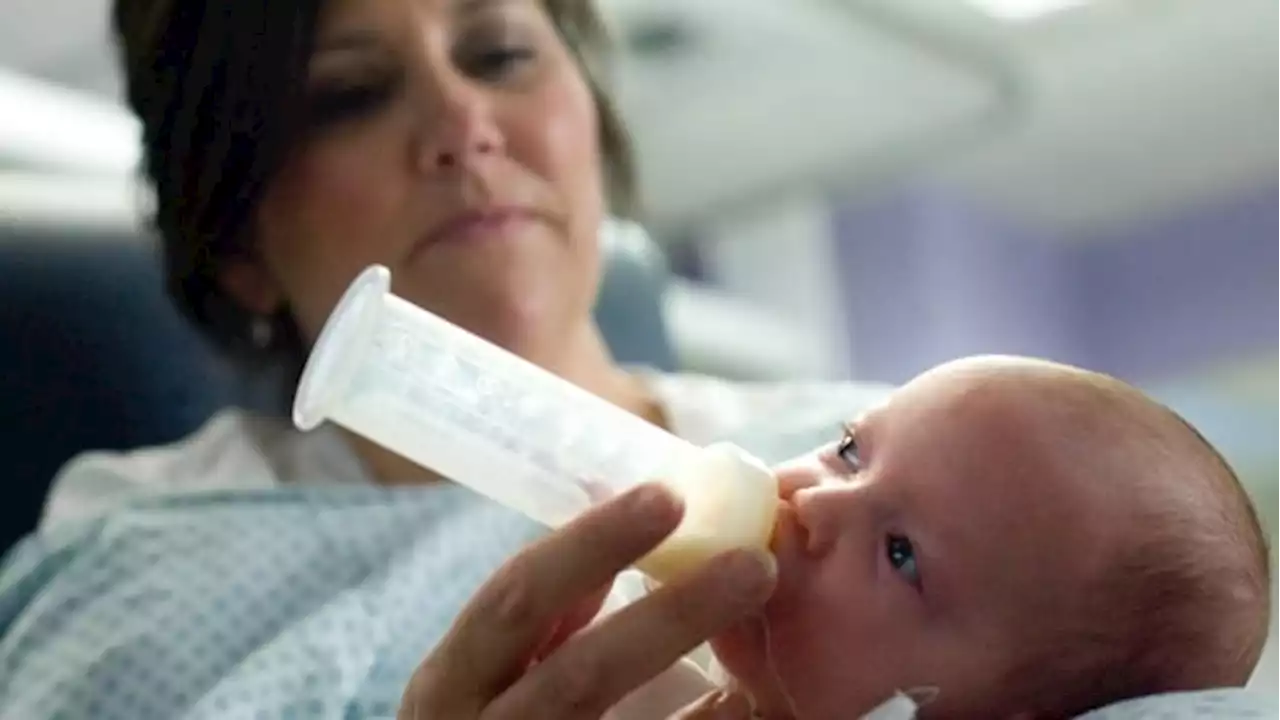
<point>458,405</point>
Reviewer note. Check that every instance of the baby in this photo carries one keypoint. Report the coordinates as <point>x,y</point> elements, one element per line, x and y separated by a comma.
<point>1022,539</point>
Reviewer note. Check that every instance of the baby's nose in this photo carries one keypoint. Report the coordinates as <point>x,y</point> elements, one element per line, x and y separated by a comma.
<point>816,516</point>
<point>796,475</point>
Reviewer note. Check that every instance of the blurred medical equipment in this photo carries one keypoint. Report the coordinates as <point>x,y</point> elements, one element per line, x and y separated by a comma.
<point>48,128</point>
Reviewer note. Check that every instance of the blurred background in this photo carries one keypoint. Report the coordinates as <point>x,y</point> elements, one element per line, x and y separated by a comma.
<point>861,189</point>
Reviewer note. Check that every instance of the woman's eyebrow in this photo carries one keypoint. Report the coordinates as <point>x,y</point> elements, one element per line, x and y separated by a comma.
<point>472,7</point>
<point>345,40</point>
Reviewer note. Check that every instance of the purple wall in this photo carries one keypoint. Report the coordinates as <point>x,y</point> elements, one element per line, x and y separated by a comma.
<point>931,277</point>
<point>1188,289</point>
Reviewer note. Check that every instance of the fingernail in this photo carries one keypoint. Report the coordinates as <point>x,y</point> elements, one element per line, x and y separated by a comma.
<point>731,706</point>
<point>751,571</point>
<point>596,490</point>
<point>770,562</point>
<point>653,498</point>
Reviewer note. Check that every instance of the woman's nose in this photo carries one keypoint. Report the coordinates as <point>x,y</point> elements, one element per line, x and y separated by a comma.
<point>464,130</point>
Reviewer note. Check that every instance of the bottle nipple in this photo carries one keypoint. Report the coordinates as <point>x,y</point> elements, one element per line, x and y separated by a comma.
<point>730,502</point>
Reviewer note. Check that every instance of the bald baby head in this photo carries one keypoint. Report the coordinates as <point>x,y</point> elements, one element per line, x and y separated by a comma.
<point>1028,538</point>
<point>1177,597</point>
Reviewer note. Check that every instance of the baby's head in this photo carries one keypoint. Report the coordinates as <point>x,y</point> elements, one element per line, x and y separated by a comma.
<point>1027,538</point>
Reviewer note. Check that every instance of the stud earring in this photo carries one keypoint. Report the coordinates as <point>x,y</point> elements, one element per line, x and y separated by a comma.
<point>261,332</point>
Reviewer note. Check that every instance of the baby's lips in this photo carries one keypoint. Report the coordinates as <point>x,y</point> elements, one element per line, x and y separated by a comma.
<point>789,542</point>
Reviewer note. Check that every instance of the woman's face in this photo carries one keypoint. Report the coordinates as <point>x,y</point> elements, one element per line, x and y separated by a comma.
<point>455,142</point>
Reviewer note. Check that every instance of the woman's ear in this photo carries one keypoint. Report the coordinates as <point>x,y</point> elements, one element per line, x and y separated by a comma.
<point>247,281</point>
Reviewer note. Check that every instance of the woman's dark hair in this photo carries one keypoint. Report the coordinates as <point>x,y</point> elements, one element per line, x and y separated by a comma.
<point>218,89</point>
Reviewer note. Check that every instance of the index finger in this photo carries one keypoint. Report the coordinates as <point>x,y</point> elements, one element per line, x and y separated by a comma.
<point>605,663</point>
<point>493,637</point>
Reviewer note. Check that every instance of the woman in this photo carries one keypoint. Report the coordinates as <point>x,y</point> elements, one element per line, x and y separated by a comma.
<point>469,146</point>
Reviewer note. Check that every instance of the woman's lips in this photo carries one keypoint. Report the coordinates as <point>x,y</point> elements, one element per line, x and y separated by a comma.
<point>480,224</point>
<point>472,226</point>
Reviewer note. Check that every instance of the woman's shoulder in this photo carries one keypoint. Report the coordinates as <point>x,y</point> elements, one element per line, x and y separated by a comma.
<point>227,452</point>
<point>704,409</point>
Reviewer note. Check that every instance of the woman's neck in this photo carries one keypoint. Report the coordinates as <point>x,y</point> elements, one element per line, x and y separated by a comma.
<point>584,361</point>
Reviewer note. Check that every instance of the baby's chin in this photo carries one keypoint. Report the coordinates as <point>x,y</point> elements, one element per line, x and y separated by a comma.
<point>781,688</point>
<point>743,654</point>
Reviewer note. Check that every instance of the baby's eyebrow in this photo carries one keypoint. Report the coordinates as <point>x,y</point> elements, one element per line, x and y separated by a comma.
<point>856,423</point>
<point>859,425</point>
<point>850,428</point>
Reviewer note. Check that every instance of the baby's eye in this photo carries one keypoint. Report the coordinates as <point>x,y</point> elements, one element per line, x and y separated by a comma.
<point>847,450</point>
<point>902,556</point>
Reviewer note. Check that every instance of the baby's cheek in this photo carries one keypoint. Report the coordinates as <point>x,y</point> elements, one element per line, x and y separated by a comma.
<point>836,646</point>
<point>743,654</point>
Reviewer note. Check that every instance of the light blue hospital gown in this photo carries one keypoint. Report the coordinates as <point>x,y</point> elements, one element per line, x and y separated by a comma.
<point>296,603</point>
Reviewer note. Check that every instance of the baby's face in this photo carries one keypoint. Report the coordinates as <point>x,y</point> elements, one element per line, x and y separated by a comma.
<point>915,552</point>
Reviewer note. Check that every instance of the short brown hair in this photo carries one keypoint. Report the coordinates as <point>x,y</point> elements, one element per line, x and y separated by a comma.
<point>217,87</point>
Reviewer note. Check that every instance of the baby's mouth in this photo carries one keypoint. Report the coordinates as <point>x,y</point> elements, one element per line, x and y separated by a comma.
<point>788,531</point>
<point>790,548</point>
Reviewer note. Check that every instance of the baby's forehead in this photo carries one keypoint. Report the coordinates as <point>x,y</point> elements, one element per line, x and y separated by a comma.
<point>997,470</point>
<point>1012,405</point>
<point>991,416</point>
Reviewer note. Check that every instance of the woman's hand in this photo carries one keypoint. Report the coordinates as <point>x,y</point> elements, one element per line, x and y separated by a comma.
<point>515,651</point>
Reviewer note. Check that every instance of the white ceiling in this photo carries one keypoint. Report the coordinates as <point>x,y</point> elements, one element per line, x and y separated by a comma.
<point>1091,117</point>
<point>767,92</point>
<point>1136,106</point>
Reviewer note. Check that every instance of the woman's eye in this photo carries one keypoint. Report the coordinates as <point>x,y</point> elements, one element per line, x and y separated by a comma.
<point>327,106</point>
<point>847,451</point>
<point>902,556</point>
<point>498,63</point>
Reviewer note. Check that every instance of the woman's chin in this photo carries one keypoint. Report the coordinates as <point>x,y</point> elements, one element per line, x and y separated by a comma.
<point>516,323</point>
